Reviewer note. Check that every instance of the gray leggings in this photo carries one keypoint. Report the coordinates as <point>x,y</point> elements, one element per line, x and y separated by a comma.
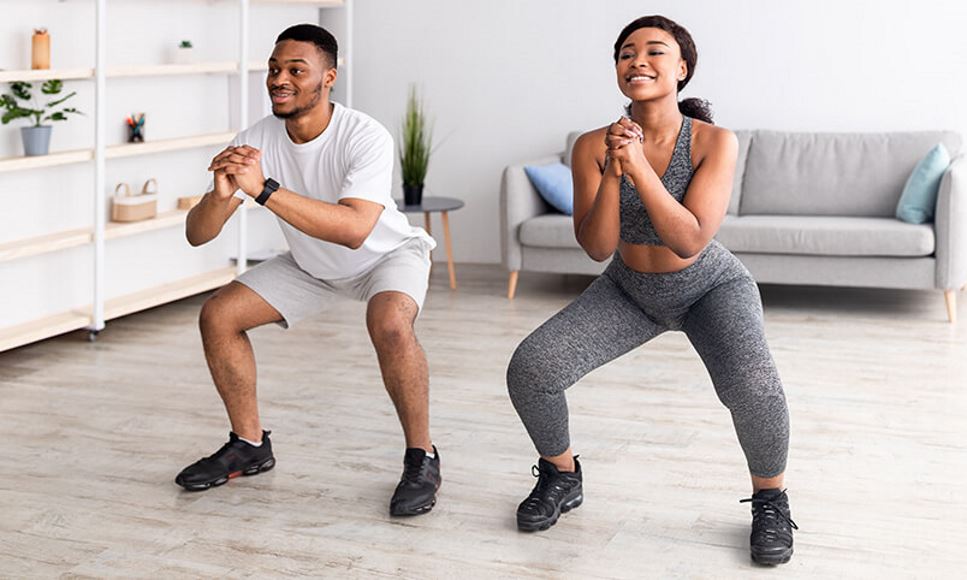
<point>714,301</point>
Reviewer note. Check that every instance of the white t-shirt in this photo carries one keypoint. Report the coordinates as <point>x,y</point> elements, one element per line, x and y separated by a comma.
<point>354,158</point>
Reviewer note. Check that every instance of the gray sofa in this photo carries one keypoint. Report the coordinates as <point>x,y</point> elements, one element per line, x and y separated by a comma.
<point>806,208</point>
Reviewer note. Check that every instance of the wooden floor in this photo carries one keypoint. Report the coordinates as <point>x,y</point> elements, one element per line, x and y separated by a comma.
<point>93,435</point>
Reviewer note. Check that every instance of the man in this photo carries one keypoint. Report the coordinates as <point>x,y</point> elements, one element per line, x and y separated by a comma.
<point>325,171</point>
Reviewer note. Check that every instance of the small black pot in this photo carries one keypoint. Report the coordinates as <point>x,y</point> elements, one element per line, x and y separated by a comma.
<point>412,194</point>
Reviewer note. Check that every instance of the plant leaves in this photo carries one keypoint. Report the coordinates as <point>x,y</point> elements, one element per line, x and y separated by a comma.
<point>17,113</point>
<point>416,142</point>
<point>21,90</point>
<point>52,87</point>
<point>53,104</point>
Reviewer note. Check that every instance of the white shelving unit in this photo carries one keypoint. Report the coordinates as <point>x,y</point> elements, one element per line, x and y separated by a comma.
<point>94,315</point>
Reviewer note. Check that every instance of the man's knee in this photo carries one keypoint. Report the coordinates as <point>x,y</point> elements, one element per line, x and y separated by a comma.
<point>390,320</point>
<point>216,316</point>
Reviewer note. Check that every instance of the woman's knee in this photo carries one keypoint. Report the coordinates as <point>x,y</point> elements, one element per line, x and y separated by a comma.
<point>748,391</point>
<point>535,368</point>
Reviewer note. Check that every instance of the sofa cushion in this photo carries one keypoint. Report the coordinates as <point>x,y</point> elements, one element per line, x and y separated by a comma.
<point>548,231</point>
<point>744,138</point>
<point>825,236</point>
<point>833,174</point>
<point>919,198</point>
<point>572,137</point>
<point>554,183</point>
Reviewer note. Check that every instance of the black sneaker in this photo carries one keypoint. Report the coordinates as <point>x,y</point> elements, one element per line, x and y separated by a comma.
<point>234,458</point>
<point>772,526</point>
<point>416,492</point>
<point>556,492</point>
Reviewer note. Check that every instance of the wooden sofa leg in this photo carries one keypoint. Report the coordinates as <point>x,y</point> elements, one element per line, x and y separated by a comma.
<point>950,297</point>
<point>512,285</point>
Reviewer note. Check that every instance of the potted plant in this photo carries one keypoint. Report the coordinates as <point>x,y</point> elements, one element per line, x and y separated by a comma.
<point>183,54</point>
<point>414,149</point>
<point>36,138</point>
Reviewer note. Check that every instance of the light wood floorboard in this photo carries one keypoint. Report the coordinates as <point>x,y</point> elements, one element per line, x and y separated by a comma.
<point>94,433</point>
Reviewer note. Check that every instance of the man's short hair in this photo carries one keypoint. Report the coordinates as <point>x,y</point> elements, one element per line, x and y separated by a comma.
<point>317,35</point>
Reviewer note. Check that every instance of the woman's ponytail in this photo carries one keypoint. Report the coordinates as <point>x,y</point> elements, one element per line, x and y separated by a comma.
<point>696,108</point>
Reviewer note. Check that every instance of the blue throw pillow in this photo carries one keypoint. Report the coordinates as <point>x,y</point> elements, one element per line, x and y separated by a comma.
<point>919,197</point>
<point>554,184</point>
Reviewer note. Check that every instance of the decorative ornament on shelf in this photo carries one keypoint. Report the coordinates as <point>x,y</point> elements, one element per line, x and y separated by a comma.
<point>134,208</point>
<point>40,49</point>
<point>189,201</point>
<point>135,123</point>
<point>415,149</point>
<point>184,54</point>
<point>36,138</point>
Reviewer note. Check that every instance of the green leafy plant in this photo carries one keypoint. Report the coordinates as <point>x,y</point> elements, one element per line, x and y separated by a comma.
<point>415,149</point>
<point>21,91</point>
<point>185,44</point>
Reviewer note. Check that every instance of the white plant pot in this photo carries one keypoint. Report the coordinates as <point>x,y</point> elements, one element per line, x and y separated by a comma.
<point>183,55</point>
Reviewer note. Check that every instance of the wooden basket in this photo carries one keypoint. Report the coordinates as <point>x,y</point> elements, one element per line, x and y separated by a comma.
<point>134,208</point>
<point>189,201</point>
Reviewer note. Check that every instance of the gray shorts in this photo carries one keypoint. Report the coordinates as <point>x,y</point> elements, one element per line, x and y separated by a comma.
<point>296,294</point>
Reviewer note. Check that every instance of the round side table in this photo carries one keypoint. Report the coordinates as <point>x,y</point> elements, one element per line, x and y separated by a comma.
<point>443,205</point>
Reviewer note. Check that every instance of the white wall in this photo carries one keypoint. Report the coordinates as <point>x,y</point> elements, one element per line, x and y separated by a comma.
<point>506,79</point>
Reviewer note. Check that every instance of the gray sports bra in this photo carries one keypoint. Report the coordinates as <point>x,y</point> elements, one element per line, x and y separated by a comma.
<point>636,226</point>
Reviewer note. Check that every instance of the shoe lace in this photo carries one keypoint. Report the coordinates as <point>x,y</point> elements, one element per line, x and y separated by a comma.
<point>412,471</point>
<point>216,455</point>
<point>548,488</point>
<point>770,511</point>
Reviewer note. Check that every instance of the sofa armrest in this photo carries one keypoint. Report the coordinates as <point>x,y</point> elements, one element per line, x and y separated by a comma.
<point>951,226</point>
<point>519,201</point>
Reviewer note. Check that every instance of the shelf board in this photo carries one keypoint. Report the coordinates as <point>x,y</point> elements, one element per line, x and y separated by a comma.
<point>64,74</point>
<point>122,71</point>
<point>169,292</point>
<point>44,244</point>
<point>130,150</point>
<point>164,220</point>
<point>172,69</point>
<point>46,327</point>
<point>115,151</point>
<point>83,236</point>
<point>21,334</point>
<point>49,160</point>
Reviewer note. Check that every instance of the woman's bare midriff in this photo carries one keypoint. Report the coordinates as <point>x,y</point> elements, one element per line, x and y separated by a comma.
<point>652,259</point>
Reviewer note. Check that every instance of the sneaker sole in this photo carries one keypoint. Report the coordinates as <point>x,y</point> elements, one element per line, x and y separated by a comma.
<point>531,526</point>
<point>413,511</point>
<point>254,470</point>
<point>772,559</point>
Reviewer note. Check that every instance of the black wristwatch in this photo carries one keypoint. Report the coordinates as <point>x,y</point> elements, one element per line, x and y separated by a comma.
<point>270,187</point>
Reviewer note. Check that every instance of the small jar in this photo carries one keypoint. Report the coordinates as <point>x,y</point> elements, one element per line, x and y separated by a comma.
<point>40,53</point>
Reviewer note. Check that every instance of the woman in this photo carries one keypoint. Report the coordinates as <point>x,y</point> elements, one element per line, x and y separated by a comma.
<point>652,189</point>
